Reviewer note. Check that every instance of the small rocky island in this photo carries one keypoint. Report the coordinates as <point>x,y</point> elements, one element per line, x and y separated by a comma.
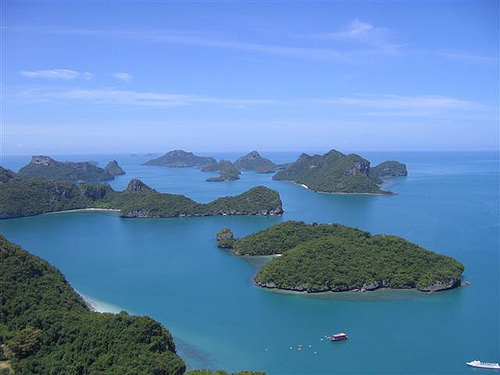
<point>46,167</point>
<point>181,159</point>
<point>333,257</point>
<point>21,196</point>
<point>335,172</point>
<point>114,169</point>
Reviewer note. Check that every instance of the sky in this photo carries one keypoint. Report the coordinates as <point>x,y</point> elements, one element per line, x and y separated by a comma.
<point>122,77</point>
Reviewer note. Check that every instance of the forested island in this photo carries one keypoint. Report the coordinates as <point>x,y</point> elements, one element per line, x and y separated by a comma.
<point>32,196</point>
<point>254,162</point>
<point>333,257</point>
<point>227,171</point>
<point>335,172</point>
<point>46,167</point>
<point>47,328</point>
<point>180,158</point>
<point>114,169</point>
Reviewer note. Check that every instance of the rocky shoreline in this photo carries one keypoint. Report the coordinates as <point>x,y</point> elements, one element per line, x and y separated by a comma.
<point>367,287</point>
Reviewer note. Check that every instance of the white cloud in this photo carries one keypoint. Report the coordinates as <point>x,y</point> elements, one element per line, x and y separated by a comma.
<point>403,106</point>
<point>362,33</point>
<point>64,74</point>
<point>124,77</point>
<point>129,97</point>
<point>364,105</point>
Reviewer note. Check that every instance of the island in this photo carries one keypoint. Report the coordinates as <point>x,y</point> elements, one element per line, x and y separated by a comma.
<point>6,175</point>
<point>46,167</point>
<point>227,171</point>
<point>254,162</point>
<point>334,257</point>
<point>335,172</point>
<point>179,159</point>
<point>114,169</point>
<point>32,196</point>
<point>47,328</point>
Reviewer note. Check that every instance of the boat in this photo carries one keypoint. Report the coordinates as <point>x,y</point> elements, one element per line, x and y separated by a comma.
<point>479,364</point>
<point>339,337</point>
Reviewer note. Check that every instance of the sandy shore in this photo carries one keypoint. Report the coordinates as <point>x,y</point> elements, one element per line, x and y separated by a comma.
<point>83,210</point>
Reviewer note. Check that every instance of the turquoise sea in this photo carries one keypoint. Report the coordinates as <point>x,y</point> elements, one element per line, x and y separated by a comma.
<point>171,269</point>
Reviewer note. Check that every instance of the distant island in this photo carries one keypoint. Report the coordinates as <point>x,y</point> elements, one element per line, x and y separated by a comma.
<point>335,172</point>
<point>254,162</point>
<point>114,169</point>
<point>333,257</point>
<point>32,196</point>
<point>46,167</point>
<point>47,328</point>
<point>227,171</point>
<point>180,158</point>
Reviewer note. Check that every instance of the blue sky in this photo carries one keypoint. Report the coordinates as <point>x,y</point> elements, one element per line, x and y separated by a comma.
<point>107,77</point>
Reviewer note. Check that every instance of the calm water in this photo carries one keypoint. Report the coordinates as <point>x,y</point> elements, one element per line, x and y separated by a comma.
<point>171,270</point>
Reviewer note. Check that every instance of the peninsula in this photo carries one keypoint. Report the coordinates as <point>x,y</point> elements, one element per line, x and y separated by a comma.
<point>47,328</point>
<point>180,158</point>
<point>32,196</point>
<point>335,172</point>
<point>46,167</point>
<point>333,257</point>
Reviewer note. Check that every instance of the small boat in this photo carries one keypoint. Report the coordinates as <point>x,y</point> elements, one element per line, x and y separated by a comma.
<point>339,337</point>
<point>479,364</point>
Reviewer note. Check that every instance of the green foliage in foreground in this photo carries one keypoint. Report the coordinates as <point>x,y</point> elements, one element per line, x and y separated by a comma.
<point>25,197</point>
<point>47,329</point>
<point>333,257</point>
<point>335,172</point>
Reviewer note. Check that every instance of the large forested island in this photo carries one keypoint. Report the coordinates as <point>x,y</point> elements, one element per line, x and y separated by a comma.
<point>32,196</point>
<point>46,167</point>
<point>333,257</point>
<point>180,158</point>
<point>46,328</point>
<point>335,172</point>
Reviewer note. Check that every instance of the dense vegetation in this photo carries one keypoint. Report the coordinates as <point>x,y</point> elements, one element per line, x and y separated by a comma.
<point>225,238</point>
<point>25,197</point>
<point>114,169</point>
<point>254,162</point>
<point>338,258</point>
<point>334,172</point>
<point>46,167</point>
<point>180,158</point>
<point>389,169</point>
<point>6,175</point>
<point>47,329</point>
<point>277,239</point>
<point>227,171</point>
